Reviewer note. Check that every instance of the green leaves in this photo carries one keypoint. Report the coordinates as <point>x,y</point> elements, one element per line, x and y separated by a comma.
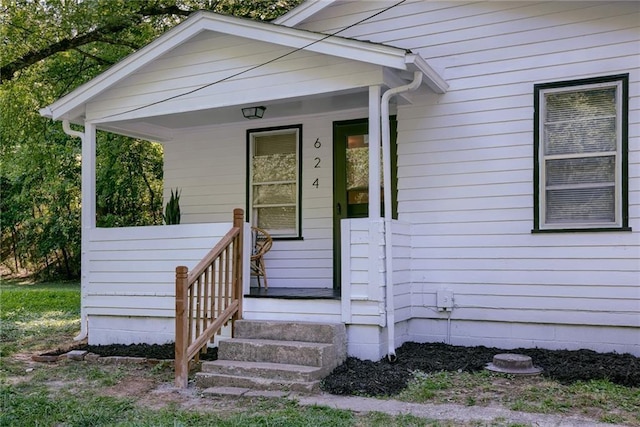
<point>172,210</point>
<point>36,31</point>
<point>128,181</point>
<point>47,49</point>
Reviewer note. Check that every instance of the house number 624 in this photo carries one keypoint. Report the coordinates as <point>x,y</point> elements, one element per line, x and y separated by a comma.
<point>317,160</point>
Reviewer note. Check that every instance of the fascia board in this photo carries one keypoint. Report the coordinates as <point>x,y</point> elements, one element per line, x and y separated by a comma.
<point>146,131</point>
<point>302,12</point>
<point>357,50</point>
<point>433,79</point>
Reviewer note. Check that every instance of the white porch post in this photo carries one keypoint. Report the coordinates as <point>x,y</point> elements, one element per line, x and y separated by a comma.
<point>374,152</point>
<point>88,178</point>
<point>88,219</point>
<point>375,262</point>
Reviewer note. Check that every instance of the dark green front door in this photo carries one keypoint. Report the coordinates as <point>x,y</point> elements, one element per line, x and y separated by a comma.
<point>351,177</point>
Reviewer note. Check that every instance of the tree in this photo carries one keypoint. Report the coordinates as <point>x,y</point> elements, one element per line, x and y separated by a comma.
<point>49,47</point>
<point>47,28</point>
<point>128,181</point>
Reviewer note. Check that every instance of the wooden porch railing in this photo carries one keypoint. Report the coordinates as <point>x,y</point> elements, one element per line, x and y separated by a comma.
<point>208,297</point>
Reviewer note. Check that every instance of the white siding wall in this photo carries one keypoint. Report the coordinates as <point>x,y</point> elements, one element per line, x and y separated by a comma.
<point>362,301</point>
<point>295,310</point>
<point>466,169</point>
<point>130,296</point>
<point>403,291</point>
<point>363,272</point>
<point>210,167</point>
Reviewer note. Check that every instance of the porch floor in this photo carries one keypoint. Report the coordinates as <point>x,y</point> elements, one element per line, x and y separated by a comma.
<point>294,293</point>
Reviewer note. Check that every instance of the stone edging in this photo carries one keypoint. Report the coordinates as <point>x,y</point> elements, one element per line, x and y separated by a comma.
<point>83,355</point>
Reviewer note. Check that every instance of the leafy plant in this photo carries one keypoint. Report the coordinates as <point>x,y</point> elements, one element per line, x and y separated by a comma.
<point>172,210</point>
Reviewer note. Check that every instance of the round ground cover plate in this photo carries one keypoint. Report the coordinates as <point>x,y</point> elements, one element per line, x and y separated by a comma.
<point>518,364</point>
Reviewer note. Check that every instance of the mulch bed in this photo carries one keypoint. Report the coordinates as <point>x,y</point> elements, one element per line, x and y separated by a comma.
<point>382,378</point>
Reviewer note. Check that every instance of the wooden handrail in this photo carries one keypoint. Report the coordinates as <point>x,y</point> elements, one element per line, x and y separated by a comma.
<point>213,254</point>
<point>208,297</point>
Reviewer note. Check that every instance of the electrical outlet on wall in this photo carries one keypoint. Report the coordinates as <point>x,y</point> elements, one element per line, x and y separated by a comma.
<point>444,300</point>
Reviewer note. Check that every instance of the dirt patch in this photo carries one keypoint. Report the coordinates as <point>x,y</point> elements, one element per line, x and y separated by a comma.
<point>382,378</point>
<point>132,386</point>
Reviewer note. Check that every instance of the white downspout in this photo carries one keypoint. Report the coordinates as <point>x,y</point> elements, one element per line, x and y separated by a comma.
<point>386,176</point>
<point>67,129</point>
<point>83,316</point>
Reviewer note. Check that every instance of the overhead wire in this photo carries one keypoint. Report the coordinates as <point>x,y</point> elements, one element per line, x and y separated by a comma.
<point>239,73</point>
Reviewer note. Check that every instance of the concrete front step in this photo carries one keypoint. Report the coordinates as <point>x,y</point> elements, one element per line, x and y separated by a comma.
<point>290,331</point>
<point>276,355</point>
<point>276,371</point>
<point>287,352</point>
<point>205,380</point>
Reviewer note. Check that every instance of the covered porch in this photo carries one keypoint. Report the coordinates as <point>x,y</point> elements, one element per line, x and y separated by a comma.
<point>187,90</point>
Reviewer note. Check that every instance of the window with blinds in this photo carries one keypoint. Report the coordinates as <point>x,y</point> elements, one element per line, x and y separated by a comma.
<point>580,154</point>
<point>274,173</point>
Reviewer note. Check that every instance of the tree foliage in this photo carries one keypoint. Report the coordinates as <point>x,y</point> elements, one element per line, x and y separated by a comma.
<point>47,49</point>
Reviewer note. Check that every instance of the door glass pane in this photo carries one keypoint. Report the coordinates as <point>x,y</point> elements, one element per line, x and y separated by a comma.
<point>358,169</point>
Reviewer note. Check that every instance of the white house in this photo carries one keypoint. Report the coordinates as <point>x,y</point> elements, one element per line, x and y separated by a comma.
<point>511,162</point>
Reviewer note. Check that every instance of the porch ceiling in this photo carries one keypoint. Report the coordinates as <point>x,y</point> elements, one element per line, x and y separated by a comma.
<point>165,127</point>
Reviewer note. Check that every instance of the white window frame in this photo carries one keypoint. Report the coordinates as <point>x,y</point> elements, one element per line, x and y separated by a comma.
<point>251,208</point>
<point>542,90</point>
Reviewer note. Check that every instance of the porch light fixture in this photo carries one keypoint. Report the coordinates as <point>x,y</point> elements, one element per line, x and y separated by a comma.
<point>253,112</point>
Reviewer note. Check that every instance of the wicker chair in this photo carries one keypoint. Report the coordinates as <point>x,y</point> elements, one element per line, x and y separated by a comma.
<point>261,244</point>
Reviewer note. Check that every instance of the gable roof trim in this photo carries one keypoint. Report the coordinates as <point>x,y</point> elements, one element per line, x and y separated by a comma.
<point>303,11</point>
<point>432,78</point>
<point>71,105</point>
<point>122,69</point>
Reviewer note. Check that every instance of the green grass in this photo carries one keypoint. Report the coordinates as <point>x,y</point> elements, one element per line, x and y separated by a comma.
<point>33,406</point>
<point>425,386</point>
<point>600,399</point>
<point>37,316</point>
<point>379,419</point>
<point>45,316</point>
<point>597,399</point>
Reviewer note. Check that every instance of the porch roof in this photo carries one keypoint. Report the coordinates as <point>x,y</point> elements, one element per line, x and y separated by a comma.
<point>73,106</point>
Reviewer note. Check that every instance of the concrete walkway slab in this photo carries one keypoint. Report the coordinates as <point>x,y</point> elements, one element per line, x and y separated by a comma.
<point>444,412</point>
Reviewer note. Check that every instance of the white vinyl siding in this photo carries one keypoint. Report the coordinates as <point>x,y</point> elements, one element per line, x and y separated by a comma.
<point>580,155</point>
<point>130,294</point>
<point>465,174</point>
<point>465,170</point>
<point>195,76</point>
<point>274,181</point>
<point>209,166</point>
